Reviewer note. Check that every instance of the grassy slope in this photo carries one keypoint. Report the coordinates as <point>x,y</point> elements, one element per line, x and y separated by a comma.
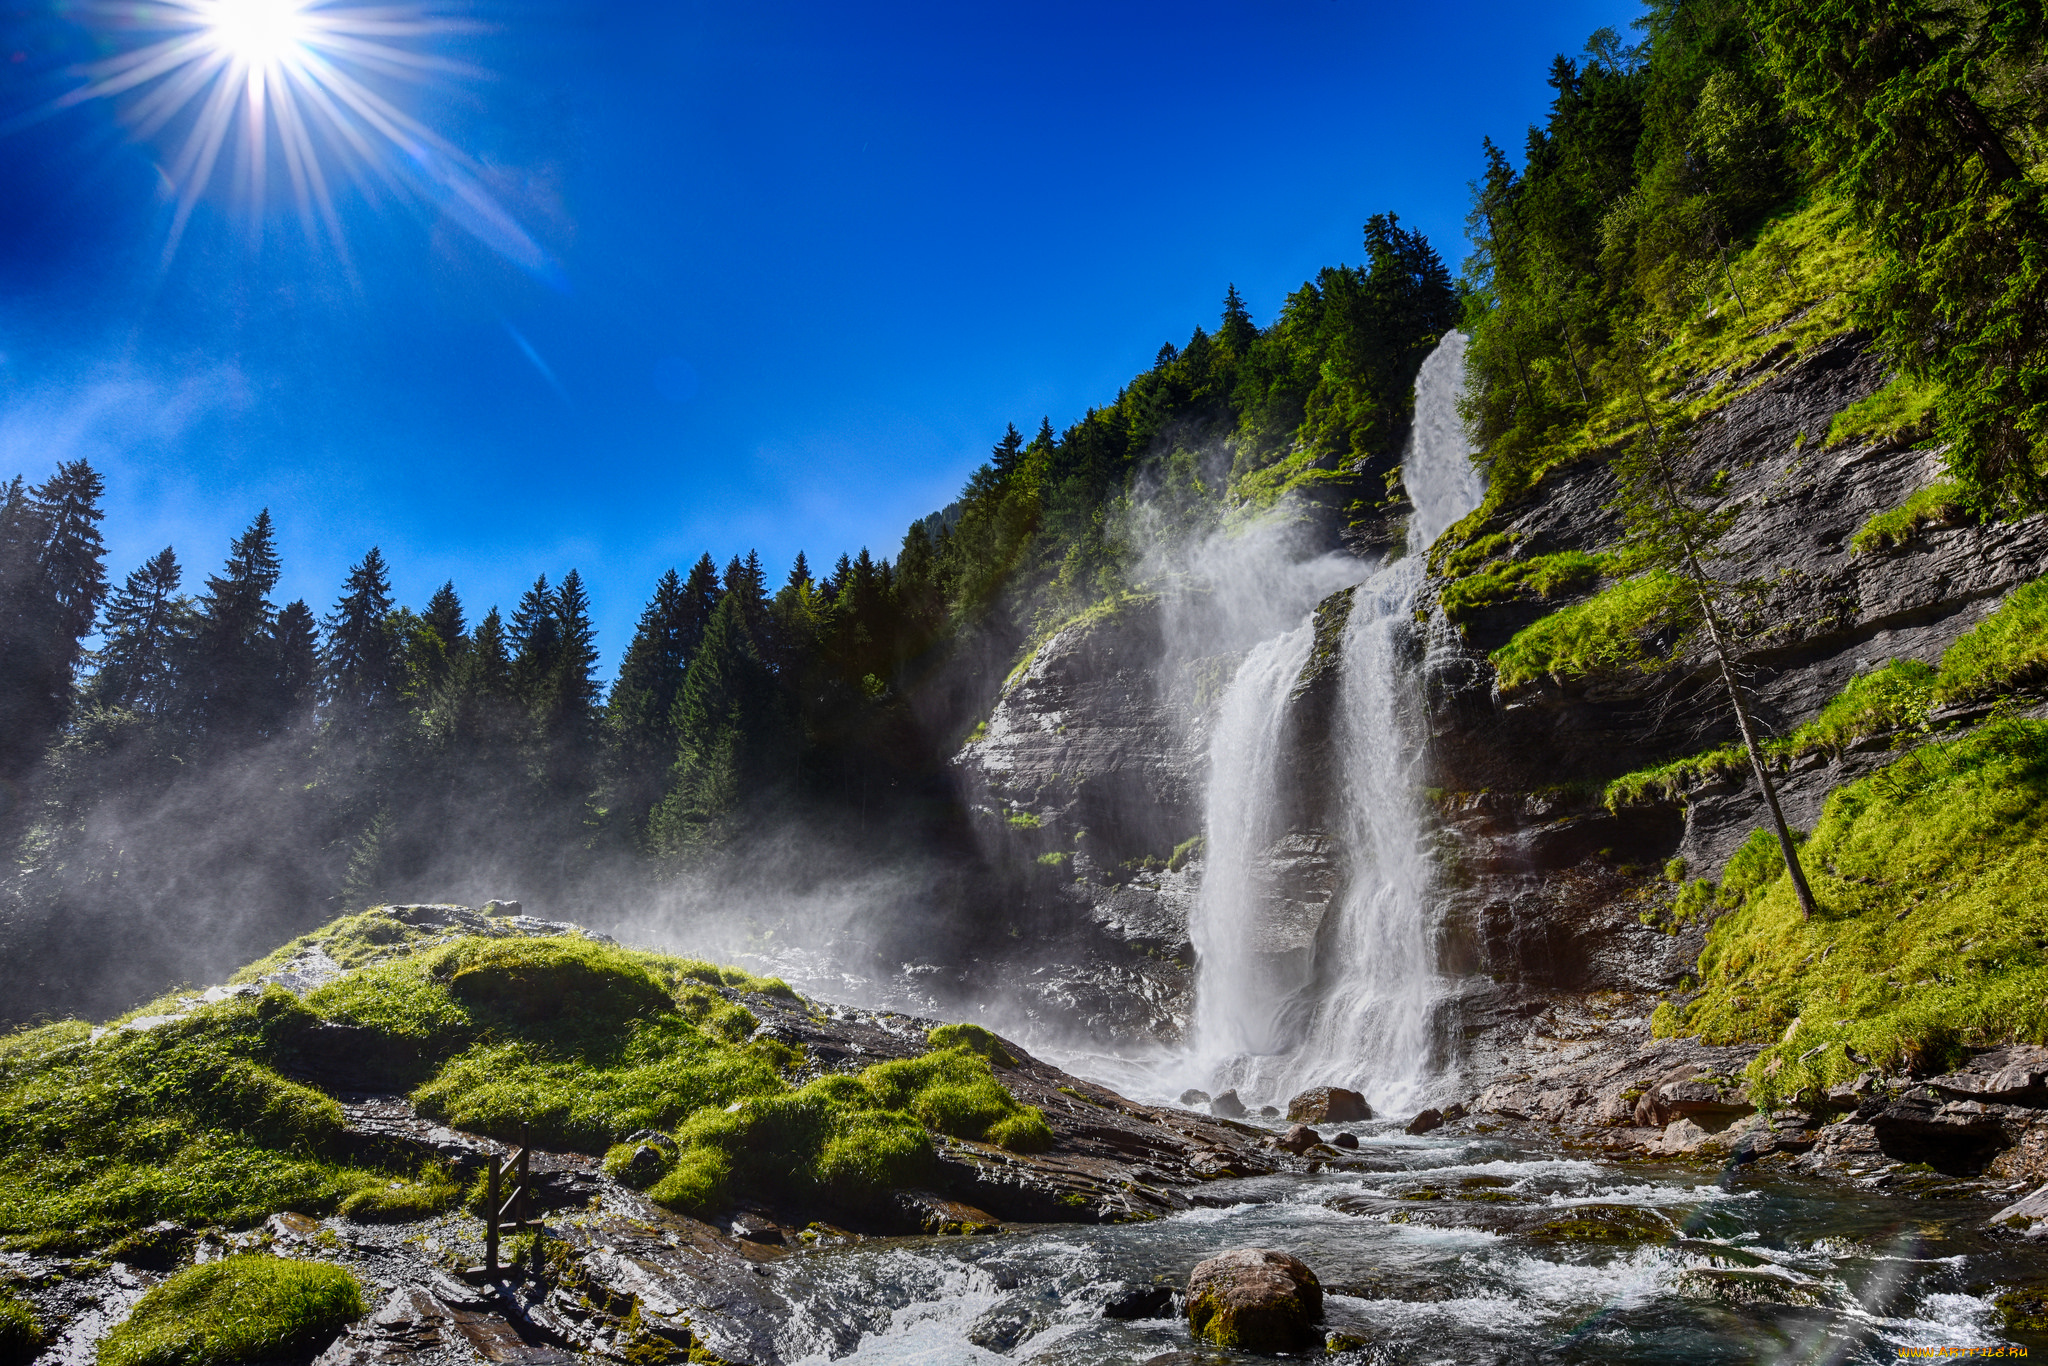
<point>581,1042</point>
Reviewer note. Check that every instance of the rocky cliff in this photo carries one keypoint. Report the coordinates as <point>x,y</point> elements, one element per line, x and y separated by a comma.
<point>1091,770</point>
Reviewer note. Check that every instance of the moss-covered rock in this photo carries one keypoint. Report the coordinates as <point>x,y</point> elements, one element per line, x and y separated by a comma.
<point>21,1333</point>
<point>238,1309</point>
<point>1606,1224</point>
<point>1255,1299</point>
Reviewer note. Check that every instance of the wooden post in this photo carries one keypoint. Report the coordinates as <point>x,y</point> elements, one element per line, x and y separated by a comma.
<point>491,1216</point>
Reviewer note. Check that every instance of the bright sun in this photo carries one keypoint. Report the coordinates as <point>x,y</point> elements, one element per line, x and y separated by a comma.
<point>258,32</point>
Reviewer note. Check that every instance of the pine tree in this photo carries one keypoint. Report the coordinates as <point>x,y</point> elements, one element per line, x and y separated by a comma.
<point>1238,331</point>
<point>52,581</point>
<point>296,648</point>
<point>444,616</point>
<point>362,661</point>
<point>733,742</point>
<point>145,617</point>
<point>536,643</point>
<point>643,698</point>
<point>1005,452</point>
<point>227,680</point>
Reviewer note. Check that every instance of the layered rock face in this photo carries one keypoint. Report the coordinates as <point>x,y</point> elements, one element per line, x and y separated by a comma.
<point>1104,732</point>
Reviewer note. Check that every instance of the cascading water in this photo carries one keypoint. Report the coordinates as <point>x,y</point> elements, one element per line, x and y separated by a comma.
<point>1355,1006</point>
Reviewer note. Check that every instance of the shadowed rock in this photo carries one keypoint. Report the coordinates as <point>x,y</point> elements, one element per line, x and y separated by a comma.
<point>1328,1105</point>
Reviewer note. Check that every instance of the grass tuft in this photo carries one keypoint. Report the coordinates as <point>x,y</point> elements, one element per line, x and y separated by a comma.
<point>2006,651</point>
<point>1627,627</point>
<point>1939,504</point>
<point>21,1333</point>
<point>1901,411</point>
<point>238,1309</point>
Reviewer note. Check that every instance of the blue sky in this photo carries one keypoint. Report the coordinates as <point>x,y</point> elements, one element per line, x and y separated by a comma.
<point>719,276</point>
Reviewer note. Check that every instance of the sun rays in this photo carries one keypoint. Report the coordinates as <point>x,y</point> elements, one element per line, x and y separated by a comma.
<point>238,91</point>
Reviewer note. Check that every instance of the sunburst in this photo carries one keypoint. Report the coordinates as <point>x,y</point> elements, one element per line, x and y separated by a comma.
<point>297,83</point>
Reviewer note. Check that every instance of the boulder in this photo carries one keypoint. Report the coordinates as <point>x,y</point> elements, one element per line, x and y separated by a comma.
<point>1227,1105</point>
<point>1136,1300</point>
<point>1298,1140</point>
<point>928,1212</point>
<point>2027,1217</point>
<point>1255,1299</point>
<point>1193,1097</point>
<point>1427,1120</point>
<point>1269,1112</point>
<point>1328,1105</point>
<point>1347,1139</point>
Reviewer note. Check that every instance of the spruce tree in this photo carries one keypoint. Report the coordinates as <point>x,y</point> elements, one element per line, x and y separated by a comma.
<point>1238,331</point>
<point>144,619</point>
<point>535,639</point>
<point>576,688</point>
<point>1005,452</point>
<point>227,679</point>
<point>700,600</point>
<point>732,739</point>
<point>296,648</point>
<point>52,581</point>
<point>444,616</point>
<point>638,713</point>
<point>362,661</point>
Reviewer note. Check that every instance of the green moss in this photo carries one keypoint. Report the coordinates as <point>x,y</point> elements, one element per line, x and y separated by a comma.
<point>1544,576</point>
<point>2008,650</point>
<point>189,1121</point>
<point>238,1309</point>
<point>1932,931</point>
<point>21,1334</point>
<point>1901,411</point>
<point>1023,820</point>
<point>2025,1309</point>
<point>1621,629</point>
<point>1185,850</point>
<point>401,1202</point>
<point>1939,504</point>
<point>1056,859</point>
<point>974,1039</point>
<point>1606,1224</point>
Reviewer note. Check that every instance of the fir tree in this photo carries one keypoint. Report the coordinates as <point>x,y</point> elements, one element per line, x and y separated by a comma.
<point>52,581</point>
<point>535,639</point>
<point>1005,452</point>
<point>444,616</point>
<point>296,648</point>
<point>643,698</point>
<point>1238,331</point>
<point>144,619</point>
<point>731,737</point>
<point>227,681</point>
<point>362,660</point>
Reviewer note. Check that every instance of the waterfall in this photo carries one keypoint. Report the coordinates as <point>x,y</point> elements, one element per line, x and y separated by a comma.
<point>1353,1003</point>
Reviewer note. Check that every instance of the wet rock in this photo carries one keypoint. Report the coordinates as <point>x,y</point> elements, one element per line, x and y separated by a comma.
<point>1192,1097</point>
<point>1328,1105</point>
<point>1606,1224</point>
<point>1298,1140</point>
<point>158,1247</point>
<point>1742,1287</point>
<point>1427,1120</point>
<point>935,1214</point>
<point>2027,1217</point>
<point>1133,1300</point>
<point>755,1228</point>
<point>1003,1325</point>
<point>1255,1299</point>
<point>1681,1138</point>
<point>1347,1139</point>
<point>1227,1106</point>
<point>2024,1309</point>
<point>1269,1112</point>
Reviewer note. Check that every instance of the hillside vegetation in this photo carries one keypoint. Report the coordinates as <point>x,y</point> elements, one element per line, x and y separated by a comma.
<point>569,1041</point>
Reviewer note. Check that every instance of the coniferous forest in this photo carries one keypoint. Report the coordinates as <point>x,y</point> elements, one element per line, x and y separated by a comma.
<point>195,769</point>
<point>179,750</point>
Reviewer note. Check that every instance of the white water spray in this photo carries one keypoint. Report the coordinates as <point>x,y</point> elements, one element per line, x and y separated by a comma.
<point>1354,1005</point>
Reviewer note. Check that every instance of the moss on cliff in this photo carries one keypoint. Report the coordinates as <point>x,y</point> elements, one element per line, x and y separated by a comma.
<point>1626,628</point>
<point>1933,934</point>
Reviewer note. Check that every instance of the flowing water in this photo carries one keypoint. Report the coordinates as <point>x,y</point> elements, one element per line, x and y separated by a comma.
<point>1355,1004</point>
<point>1746,1269</point>
<point>1433,1249</point>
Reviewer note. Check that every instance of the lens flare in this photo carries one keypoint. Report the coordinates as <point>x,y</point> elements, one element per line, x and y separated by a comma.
<point>238,89</point>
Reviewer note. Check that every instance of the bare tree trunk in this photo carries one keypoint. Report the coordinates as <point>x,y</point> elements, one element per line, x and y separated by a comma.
<point>1807,908</point>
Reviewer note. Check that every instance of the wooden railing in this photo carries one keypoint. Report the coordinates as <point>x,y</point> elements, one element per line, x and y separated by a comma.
<point>517,1202</point>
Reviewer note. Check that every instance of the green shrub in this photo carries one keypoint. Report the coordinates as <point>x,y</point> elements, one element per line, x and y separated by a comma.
<point>1618,630</point>
<point>238,1309</point>
<point>21,1335</point>
<point>2007,650</point>
<point>1933,933</point>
